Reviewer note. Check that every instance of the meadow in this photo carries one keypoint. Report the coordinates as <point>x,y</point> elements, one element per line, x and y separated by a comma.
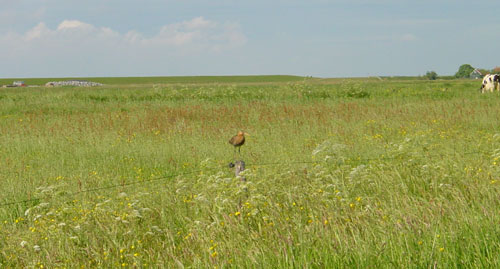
<point>340,173</point>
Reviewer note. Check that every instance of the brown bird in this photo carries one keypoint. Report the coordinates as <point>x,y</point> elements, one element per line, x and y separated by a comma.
<point>238,140</point>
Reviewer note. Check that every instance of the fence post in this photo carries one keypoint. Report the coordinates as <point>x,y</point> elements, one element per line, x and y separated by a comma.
<point>239,167</point>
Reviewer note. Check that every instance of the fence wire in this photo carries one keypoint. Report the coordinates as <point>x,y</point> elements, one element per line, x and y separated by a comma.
<point>127,184</point>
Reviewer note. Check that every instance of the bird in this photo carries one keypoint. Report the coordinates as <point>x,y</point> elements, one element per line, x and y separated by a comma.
<point>238,140</point>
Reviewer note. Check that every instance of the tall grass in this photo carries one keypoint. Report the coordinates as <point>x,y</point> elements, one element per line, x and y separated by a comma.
<point>345,174</point>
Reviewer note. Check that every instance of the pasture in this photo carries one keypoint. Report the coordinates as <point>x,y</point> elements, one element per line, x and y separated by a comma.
<point>340,173</point>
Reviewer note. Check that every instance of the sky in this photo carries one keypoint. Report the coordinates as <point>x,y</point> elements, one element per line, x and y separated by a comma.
<point>320,38</point>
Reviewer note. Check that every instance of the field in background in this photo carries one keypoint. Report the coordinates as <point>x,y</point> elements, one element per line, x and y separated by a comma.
<point>340,173</point>
<point>141,81</point>
<point>197,80</point>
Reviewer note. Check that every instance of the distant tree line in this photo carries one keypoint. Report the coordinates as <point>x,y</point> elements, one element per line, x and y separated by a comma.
<point>464,71</point>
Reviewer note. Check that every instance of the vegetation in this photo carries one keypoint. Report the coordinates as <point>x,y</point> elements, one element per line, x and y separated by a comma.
<point>431,75</point>
<point>464,71</point>
<point>340,173</point>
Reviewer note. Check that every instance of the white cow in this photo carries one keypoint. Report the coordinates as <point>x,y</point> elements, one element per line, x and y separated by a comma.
<point>490,83</point>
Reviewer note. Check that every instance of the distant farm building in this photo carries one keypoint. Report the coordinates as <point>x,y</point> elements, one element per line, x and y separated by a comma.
<point>78,83</point>
<point>19,83</point>
<point>476,74</point>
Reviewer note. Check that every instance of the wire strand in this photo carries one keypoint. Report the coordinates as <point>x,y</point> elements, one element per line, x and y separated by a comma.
<point>201,170</point>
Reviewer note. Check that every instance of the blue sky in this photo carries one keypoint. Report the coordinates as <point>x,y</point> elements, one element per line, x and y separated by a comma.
<point>338,38</point>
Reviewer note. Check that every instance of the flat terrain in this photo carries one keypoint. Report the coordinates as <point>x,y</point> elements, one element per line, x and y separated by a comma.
<point>377,172</point>
<point>143,81</point>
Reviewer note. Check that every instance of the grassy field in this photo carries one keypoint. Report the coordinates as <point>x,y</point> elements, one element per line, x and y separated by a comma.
<point>340,173</point>
<point>142,81</point>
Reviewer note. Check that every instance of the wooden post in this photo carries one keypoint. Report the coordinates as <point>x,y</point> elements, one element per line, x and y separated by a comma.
<point>238,168</point>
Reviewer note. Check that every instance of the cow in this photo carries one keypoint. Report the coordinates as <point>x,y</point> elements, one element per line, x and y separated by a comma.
<point>490,83</point>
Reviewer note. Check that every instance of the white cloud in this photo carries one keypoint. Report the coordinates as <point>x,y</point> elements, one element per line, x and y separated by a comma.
<point>73,24</point>
<point>198,23</point>
<point>67,31</point>
<point>74,47</point>
<point>198,34</point>
<point>38,31</point>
